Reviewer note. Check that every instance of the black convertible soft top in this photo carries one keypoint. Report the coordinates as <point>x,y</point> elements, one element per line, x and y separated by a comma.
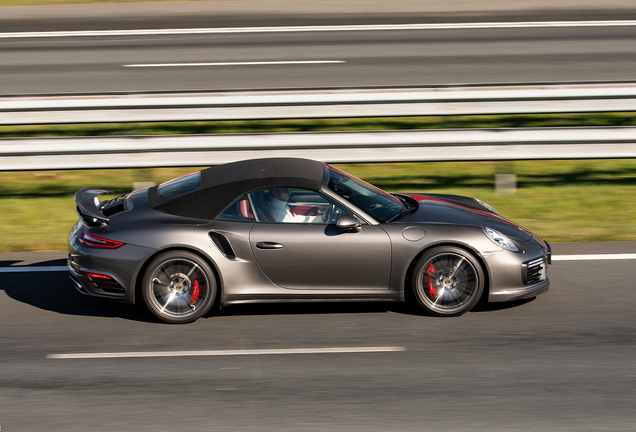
<point>221,185</point>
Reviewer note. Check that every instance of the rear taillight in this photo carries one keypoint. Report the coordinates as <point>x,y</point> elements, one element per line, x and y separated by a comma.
<point>97,276</point>
<point>98,242</point>
<point>104,283</point>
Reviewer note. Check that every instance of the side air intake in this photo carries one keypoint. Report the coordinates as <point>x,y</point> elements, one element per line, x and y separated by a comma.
<point>222,244</point>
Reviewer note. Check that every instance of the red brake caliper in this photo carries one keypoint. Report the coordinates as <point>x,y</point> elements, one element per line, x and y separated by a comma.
<point>431,288</point>
<point>195,292</point>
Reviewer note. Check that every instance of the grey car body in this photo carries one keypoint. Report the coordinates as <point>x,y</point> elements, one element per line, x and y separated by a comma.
<point>190,243</point>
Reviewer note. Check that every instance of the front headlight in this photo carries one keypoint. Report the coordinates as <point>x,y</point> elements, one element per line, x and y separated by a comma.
<point>500,240</point>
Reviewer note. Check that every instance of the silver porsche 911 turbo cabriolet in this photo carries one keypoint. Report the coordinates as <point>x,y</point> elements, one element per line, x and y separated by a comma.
<point>286,229</point>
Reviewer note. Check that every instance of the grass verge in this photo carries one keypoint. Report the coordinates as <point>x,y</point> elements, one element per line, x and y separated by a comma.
<point>588,200</point>
<point>321,125</point>
<point>558,200</point>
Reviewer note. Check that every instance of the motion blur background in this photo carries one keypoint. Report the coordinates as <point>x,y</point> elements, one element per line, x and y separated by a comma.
<point>561,362</point>
<point>561,200</point>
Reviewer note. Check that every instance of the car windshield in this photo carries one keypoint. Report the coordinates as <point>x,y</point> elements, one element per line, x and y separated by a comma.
<point>376,202</point>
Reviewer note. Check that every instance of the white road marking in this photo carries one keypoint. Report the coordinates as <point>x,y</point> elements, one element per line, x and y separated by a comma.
<point>30,269</point>
<point>252,63</point>
<point>593,257</point>
<point>332,28</point>
<point>226,352</point>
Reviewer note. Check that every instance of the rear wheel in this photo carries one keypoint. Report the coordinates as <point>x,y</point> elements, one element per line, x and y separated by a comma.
<point>179,287</point>
<point>447,281</point>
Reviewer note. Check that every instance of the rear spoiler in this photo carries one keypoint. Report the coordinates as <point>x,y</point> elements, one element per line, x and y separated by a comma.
<point>88,206</point>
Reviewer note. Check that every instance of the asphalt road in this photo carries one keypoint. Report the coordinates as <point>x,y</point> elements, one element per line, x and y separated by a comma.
<point>562,362</point>
<point>99,64</point>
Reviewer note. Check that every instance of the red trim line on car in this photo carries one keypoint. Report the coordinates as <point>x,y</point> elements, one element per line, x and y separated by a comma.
<point>423,198</point>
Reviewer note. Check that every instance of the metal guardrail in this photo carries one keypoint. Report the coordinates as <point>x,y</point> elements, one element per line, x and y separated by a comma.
<point>384,146</point>
<point>377,146</point>
<point>243,105</point>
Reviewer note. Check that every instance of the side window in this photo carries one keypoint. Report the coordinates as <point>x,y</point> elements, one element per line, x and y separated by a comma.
<point>295,205</point>
<point>179,185</point>
<point>239,210</point>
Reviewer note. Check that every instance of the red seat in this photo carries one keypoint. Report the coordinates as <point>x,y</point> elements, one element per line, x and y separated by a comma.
<point>244,208</point>
<point>304,210</point>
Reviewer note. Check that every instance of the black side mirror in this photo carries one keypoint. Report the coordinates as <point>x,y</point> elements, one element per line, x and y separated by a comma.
<point>348,223</point>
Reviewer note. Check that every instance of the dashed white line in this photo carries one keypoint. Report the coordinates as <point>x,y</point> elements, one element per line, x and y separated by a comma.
<point>345,350</point>
<point>590,257</point>
<point>32,269</point>
<point>246,63</point>
<point>326,28</point>
<point>593,257</point>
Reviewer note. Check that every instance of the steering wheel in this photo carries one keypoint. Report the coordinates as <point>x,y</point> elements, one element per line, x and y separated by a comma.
<point>332,214</point>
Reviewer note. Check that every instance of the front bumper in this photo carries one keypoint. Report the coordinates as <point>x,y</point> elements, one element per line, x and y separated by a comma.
<point>520,293</point>
<point>518,276</point>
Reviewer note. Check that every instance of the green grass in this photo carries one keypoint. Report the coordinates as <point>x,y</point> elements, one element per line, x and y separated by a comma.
<point>35,224</point>
<point>590,200</point>
<point>38,210</point>
<point>318,125</point>
<point>559,200</point>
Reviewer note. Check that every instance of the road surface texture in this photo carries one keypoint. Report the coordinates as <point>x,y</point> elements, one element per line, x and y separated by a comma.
<point>561,362</point>
<point>274,59</point>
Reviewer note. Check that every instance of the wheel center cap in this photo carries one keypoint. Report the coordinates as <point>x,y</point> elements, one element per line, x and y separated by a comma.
<point>179,283</point>
<point>448,283</point>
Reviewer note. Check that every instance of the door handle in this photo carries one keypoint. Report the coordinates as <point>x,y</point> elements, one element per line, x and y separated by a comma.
<point>268,245</point>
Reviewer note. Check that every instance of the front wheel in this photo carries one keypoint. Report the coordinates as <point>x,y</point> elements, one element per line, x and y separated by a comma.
<point>447,281</point>
<point>179,287</point>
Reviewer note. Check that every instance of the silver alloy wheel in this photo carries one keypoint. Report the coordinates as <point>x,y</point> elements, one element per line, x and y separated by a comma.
<point>179,287</point>
<point>448,281</point>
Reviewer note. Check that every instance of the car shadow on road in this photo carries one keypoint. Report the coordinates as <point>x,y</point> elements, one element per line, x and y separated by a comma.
<point>491,307</point>
<point>54,291</point>
<point>347,308</point>
<point>309,308</point>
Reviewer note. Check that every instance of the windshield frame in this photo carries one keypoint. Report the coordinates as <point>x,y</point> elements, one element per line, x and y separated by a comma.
<point>384,206</point>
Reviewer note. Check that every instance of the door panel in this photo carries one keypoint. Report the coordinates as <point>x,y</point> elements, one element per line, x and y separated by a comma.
<point>320,256</point>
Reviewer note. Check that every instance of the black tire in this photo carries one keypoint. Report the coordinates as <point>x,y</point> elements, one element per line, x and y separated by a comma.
<point>179,287</point>
<point>447,281</point>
